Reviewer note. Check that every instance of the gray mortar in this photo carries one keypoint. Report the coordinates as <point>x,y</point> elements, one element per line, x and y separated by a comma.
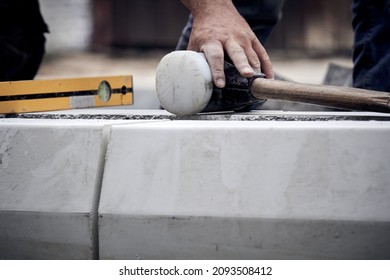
<point>199,117</point>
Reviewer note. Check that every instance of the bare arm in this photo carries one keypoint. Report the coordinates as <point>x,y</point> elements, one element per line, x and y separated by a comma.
<point>218,26</point>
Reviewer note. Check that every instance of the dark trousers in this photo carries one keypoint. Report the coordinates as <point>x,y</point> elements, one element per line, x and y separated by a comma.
<point>371,56</point>
<point>22,40</point>
<point>21,57</point>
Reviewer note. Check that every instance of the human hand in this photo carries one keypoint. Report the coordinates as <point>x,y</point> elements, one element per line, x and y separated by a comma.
<point>217,26</point>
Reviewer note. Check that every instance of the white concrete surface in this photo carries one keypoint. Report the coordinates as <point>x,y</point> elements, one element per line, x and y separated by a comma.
<point>50,180</point>
<point>49,187</point>
<point>215,189</point>
<point>127,184</point>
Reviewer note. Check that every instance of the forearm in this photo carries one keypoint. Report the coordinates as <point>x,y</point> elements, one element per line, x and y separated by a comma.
<point>208,7</point>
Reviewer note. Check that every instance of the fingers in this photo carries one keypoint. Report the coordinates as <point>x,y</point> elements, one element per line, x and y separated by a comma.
<point>265,61</point>
<point>214,54</point>
<point>239,58</point>
<point>253,59</point>
<point>245,50</point>
<point>250,59</point>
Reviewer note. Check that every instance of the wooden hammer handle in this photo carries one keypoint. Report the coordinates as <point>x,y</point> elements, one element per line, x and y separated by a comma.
<point>333,96</point>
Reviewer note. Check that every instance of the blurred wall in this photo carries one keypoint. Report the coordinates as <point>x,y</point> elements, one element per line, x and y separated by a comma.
<point>70,23</point>
<point>137,23</point>
<point>314,26</point>
<point>307,25</point>
<point>317,26</point>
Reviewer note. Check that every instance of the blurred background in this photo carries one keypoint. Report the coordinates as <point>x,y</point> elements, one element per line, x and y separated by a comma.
<point>115,37</point>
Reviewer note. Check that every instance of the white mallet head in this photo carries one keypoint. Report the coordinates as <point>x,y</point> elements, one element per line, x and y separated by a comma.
<point>183,82</point>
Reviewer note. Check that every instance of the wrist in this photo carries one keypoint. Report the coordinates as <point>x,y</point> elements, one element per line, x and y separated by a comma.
<point>200,8</point>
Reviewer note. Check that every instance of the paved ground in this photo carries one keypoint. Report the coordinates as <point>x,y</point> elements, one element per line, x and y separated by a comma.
<point>142,66</point>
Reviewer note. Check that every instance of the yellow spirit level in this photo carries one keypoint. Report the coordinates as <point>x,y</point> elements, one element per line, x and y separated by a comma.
<point>49,95</point>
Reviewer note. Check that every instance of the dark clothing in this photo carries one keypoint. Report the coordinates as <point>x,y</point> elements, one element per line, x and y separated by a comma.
<point>22,41</point>
<point>371,57</point>
<point>262,16</point>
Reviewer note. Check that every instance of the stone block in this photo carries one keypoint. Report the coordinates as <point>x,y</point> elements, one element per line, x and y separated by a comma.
<point>49,188</point>
<point>190,189</point>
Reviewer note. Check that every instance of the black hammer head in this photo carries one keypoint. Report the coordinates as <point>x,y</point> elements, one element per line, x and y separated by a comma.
<point>236,95</point>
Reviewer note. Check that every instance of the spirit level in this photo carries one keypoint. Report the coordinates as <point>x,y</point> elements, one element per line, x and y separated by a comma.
<point>63,94</point>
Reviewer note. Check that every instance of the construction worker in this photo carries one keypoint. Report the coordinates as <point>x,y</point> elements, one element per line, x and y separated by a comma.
<point>217,27</point>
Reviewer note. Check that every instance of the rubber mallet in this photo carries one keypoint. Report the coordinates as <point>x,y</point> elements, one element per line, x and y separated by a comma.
<point>184,87</point>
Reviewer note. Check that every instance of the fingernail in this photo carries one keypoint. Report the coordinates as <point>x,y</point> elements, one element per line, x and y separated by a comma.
<point>220,83</point>
<point>248,70</point>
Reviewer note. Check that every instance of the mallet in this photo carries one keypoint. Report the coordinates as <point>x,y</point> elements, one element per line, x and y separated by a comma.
<point>184,87</point>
